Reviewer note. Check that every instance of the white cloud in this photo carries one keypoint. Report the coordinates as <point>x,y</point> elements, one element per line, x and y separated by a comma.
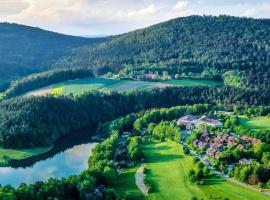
<point>258,10</point>
<point>9,7</point>
<point>181,6</point>
<point>145,12</point>
<point>116,16</point>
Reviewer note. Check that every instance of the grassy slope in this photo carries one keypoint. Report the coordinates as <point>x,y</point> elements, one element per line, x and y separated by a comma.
<point>255,123</point>
<point>168,169</point>
<point>193,82</point>
<point>125,183</point>
<point>18,154</point>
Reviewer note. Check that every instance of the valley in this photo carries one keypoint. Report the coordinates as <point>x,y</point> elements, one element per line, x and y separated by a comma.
<point>177,110</point>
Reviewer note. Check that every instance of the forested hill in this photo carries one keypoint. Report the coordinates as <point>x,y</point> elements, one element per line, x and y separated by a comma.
<point>24,49</point>
<point>195,44</point>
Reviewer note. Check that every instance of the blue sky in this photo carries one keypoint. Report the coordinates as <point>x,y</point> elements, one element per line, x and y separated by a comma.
<point>92,17</point>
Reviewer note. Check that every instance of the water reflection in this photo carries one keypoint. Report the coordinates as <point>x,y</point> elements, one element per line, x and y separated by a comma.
<point>70,162</point>
<point>68,157</point>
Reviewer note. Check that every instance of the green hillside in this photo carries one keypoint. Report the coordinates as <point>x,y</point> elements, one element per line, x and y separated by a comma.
<point>202,46</point>
<point>25,50</point>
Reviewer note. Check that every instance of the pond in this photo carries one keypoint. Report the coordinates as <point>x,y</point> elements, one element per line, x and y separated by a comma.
<point>68,157</point>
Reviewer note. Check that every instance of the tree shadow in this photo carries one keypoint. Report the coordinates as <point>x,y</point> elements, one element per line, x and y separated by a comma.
<point>154,180</point>
<point>157,148</point>
<point>159,158</point>
<point>214,180</point>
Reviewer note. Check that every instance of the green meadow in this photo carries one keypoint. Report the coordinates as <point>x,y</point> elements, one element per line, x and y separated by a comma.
<point>168,168</point>
<point>255,123</point>
<point>125,183</point>
<point>19,154</point>
<point>80,86</point>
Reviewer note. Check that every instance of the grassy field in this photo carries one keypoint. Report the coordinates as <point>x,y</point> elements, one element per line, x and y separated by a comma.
<point>255,123</point>
<point>193,82</point>
<point>18,154</point>
<point>79,86</point>
<point>168,169</point>
<point>125,183</point>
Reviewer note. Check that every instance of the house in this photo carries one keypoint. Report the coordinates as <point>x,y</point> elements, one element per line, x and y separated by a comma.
<point>170,77</point>
<point>149,76</point>
<point>187,121</point>
<point>232,140</point>
<point>201,145</point>
<point>213,152</point>
<point>245,161</point>
<point>206,137</point>
<point>126,134</point>
<point>240,146</point>
<point>230,167</point>
<point>144,132</point>
<point>196,143</point>
<point>123,163</point>
<point>224,112</point>
<point>122,144</point>
<point>249,140</point>
<point>121,154</point>
<point>223,137</point>
<point>210,120</point>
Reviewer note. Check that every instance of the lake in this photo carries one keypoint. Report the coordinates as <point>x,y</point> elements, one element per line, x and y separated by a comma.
<point>68,157</point>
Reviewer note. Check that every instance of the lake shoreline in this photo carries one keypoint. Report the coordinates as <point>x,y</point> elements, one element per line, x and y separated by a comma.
<point>65,142</point>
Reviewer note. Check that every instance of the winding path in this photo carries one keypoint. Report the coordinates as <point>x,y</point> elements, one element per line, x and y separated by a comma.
<point>139,177</point>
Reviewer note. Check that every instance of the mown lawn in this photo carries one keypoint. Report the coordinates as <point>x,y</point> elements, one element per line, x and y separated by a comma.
<point>18,154</point>
<point>193,82</point>
<point>255,123</point>
<point>168,168</point>
<point>125,183</point>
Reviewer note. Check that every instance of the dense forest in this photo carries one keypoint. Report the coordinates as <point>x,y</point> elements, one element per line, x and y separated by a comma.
<point>36,81</point>
<point>40,121</point>
<point>25,50</point>
<point>192,45</point>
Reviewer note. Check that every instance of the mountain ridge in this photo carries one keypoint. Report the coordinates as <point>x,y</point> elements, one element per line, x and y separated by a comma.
<point>25,49</point>
<point>194,44</point>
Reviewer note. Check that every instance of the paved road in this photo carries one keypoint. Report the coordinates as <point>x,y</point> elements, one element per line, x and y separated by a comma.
<point>139,177</point>
<point>226,177</point>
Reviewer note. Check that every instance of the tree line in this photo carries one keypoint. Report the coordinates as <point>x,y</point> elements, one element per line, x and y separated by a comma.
<point>40,121</point>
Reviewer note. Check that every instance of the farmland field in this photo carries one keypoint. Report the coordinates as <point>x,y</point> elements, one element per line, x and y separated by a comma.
<point>168,168</point>
<point>255,123</point>
<point>193,82</point>
<point>79,86</point>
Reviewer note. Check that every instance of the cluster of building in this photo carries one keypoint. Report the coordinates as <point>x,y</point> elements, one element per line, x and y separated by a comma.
<point>152,76</point>
<point>214,145</point>
<point>191,122</point>
<point>121,152</point>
